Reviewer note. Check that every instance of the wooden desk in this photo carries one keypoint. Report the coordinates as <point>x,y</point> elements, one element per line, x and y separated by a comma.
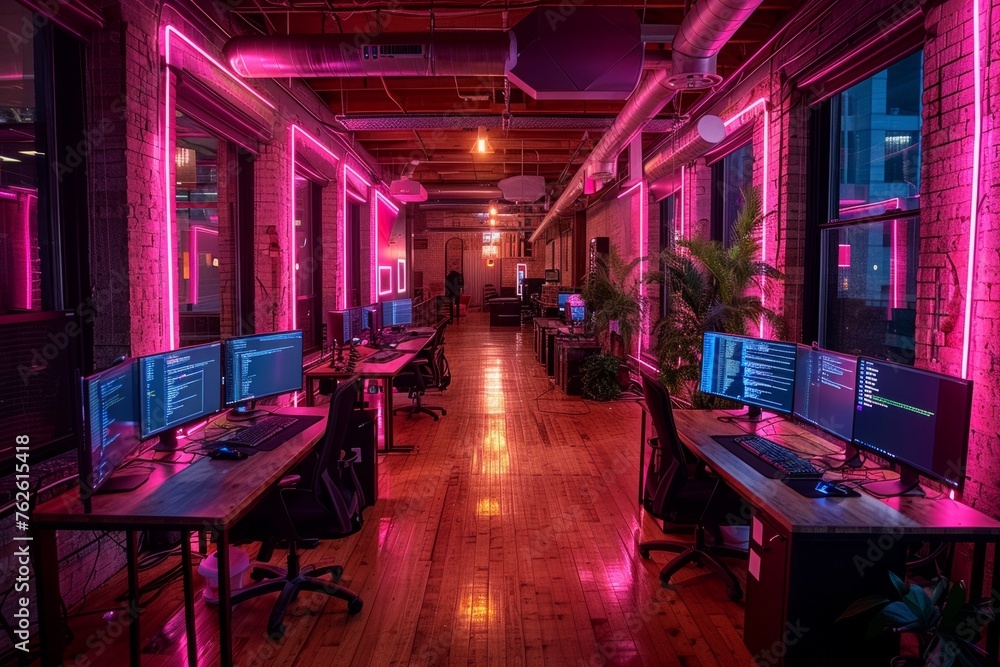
<point>811,557</point>
<point>570,353</point>
<point>204,495</point>
<point>382,372</point>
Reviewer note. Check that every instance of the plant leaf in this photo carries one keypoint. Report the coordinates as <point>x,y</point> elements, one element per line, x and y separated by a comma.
<point>862,605</point>
<point>898,584</point>
<point>920,603</point>
<point>892,616</point>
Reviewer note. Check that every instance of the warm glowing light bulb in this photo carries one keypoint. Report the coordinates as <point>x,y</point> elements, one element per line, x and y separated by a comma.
<point>493,211</point>
<point>481,145</point>
<point>493,222</point>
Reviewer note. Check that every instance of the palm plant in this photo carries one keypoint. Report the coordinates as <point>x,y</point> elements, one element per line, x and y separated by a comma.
<point>712,288</point>
<point>612,294</point>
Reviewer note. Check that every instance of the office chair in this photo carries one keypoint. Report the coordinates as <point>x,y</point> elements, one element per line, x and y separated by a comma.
<point>421,374</point>
<point>679,496</point>
<point>329,506</point>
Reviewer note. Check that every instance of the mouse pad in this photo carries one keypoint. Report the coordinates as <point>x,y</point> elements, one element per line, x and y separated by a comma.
<point>807,488</point>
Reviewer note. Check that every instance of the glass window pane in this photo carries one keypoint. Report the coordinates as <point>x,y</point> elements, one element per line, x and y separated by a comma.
<point>199,291</point>
<point>304,238</point>
<point>879,148</point>
<point>737,178</point>
<point>870,288</point>
<point>21,271</point>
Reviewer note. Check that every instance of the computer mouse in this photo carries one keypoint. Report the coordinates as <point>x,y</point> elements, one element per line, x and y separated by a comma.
<point>226,454</point>
<point>392,346</point>
<point>831,489</point>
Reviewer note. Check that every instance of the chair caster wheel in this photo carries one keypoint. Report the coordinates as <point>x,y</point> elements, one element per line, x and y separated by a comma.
<point>354,606</point>
<point>644,553</point>
<point>276,633</point>
<point>734,593</point>
<point>336,573</point>
<point>444,413</point>
<point>435,417</point>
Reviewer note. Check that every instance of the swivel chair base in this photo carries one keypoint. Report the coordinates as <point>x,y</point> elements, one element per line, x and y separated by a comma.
<point>290,583</point>
<point>417,407</point>
<point>703,557</point>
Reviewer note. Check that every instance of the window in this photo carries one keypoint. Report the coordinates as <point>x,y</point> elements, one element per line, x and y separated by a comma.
<point>869,240</point>
<point>668,206</point>
<point>731,177</point>
<point>308,271</point>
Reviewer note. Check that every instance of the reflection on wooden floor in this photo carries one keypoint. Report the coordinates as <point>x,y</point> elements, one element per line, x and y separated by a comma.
<point>507,537</point>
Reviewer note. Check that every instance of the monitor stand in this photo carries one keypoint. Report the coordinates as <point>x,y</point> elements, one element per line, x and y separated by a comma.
<point>852,456</point>
<point>754,414</point>
<point>245,412</point>
<point>908,484</point>
<point>122,483</point>
<point>168,442</point>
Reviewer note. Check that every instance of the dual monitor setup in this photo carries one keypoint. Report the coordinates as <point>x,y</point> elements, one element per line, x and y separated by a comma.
<point>367,322</point>
<point>160,394</point>
<point>915,418</point>
<point>571,310</point>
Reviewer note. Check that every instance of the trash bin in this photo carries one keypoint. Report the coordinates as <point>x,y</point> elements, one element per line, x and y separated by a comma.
<point>239,563</point>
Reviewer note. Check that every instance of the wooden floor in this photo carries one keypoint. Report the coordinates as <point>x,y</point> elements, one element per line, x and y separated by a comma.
<point>507,537</point>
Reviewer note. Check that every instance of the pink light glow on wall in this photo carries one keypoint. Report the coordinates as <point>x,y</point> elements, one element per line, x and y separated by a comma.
<point>380,250</point>
<point>642,236</point>
<point>844,256</point>
<point>977,141</point>
<point>296,131</point>
<point>761,102</point>
<point>680,201</point>
<point>166,141</point>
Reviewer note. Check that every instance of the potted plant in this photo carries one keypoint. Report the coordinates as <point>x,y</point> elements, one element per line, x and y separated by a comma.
<point>712,288</point>
<point>600,377</point>
<point>944,624</point>
<point>614,300</point>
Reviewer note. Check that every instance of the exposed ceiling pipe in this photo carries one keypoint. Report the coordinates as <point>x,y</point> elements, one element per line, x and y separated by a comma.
<point>707,132</point>
<point>469,192</point>
<point>389,122</point>
<point>394,54</point>
<point>700,37</point>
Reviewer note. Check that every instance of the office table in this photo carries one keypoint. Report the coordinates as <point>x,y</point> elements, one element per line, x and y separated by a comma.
<point>383,372</point>
<point>206,494</point>
<point>570,353</point>
<point>811,557</point>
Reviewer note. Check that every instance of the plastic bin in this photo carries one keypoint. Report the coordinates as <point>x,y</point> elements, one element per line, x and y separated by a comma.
<point>239,563</point>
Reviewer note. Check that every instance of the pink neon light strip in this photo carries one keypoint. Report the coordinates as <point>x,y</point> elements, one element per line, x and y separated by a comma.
<point>291,231</point>
<point>643,235</point>
<point>401,275</point>
<point>377,245</point>
<point>977,139</point>
<point>172,30</point>
<point>681,202</point>
<point>343,242</point>
<point>885,202</point>
<point>629,190</point>
<point>28,292</point>
<point>761,102</point>
<point>168,191</point>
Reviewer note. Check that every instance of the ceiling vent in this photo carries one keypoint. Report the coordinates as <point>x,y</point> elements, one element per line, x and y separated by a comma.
<point>396,51</point>
<point>522,189</point>
<point>407,191</point>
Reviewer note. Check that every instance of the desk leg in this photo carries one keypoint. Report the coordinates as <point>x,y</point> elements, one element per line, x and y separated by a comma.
<point>51,629</point>
<point>978,571</point>
<point>192,641</point>
<point>310,390</point>
<point>390,445</point>
<point>225,601</point>
<point>132,563</point>
<point>642,454</point>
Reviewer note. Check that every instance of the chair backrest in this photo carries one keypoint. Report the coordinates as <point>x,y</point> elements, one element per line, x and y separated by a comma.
<point>335,489</point>
<point>667,471</point>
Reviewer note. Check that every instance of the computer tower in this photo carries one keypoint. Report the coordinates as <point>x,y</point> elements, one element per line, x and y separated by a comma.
<point>361,439</point>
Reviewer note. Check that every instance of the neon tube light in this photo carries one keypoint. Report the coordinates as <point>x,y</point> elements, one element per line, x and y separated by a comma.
<point>977,139</point>
<point>400,275</point>
<point>343,244</point>
<point>629,190</point>
<point>680,203</point>
<point>643,233</point>
<point>172,30</point>
<point>761,102</point>
<point>376,246</point>
<point>28,292</point>
<point>385,271</point>
<point>168,192</point>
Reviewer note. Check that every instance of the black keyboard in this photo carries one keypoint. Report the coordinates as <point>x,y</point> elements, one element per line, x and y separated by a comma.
<point>264,429</point>
<point>788,462</point>
<point>384,356</point>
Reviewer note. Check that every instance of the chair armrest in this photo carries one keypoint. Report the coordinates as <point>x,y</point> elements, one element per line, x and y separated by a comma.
<point>348,461</point>
<point>289,481</point>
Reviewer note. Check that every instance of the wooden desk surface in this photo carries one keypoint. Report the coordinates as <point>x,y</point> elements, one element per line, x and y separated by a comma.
<point>388,369</point>
<point>824,516</point>
<point>204,493</point>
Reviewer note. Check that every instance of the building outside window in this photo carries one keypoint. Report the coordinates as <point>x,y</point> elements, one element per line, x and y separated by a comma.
<point>869,241</point>
<point>731,177</point>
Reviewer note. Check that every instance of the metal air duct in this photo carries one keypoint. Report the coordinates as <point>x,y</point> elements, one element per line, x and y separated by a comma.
<point>708,131</point>
<point>701,35</point>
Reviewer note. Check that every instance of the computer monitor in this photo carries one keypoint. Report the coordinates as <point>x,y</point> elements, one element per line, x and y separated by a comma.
<point>343,326</point>
<point>757,372</point>
<point>110,429</point>
<point>563,297</point>
<point>916,418</point>
<point>825,389</point>
<point>177,388</point>
<point>260,366</point>
<point>397,313</point>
